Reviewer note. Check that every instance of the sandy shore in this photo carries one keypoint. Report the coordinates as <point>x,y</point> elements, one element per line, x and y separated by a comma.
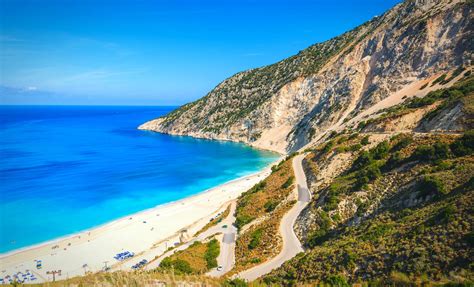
<point>148,234</point>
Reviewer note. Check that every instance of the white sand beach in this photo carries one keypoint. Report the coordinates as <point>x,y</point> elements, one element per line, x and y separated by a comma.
<point>147,234</point>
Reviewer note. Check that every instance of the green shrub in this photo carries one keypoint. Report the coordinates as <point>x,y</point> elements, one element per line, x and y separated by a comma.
<point>381,150</point>
<point>332,202</point>
<point>328,146</point>
<point>439,79</point>
<point>212,252</point>
<point>270,205</point>
<point>430,184</point>
<point>393,161</point>
<point>464,145</point>
<point>322,234</point>
<point>255,260</point>
<point>430,153</point>
<point>364,159</point>
<point>337,281</point>
<point>243,219</point>
<point>275,168</point>
<point>355,147</point>
<point>288,182</point>
<point>255,238</point>
<point>179,266</point>
<point>424,86</point>
<point>403,142</point>
<point>447,214</point>
<point>423,153</point>
<point>365,140</point>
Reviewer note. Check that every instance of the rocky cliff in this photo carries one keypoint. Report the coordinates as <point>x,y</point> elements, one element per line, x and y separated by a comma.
<point>286,105</point>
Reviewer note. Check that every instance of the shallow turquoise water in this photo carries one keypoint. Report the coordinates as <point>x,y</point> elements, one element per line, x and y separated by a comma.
<point>64,169</point>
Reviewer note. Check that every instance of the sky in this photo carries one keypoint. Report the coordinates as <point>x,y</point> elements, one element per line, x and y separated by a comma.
<point>155,52</point>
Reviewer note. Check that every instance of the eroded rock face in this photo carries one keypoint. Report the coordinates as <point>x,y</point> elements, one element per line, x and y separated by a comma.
<point>283,106</point>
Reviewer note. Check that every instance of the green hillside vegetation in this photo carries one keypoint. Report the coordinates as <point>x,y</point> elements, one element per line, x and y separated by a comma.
<point>267,201</point>
<point>198,258</point>
<point>415,218</point>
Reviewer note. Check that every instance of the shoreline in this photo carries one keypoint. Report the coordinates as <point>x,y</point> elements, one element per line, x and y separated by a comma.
<point>109,223</point>
<point>99,244</point>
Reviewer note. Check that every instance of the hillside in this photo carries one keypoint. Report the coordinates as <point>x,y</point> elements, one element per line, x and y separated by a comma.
<point>390,207</point>
<point>286,105</point>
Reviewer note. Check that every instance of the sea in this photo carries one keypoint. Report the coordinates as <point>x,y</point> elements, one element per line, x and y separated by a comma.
<point>66,169</point>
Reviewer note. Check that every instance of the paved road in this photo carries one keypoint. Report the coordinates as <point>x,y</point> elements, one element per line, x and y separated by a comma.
<point>291,244</point>
<point>226,256</point>
<point>226,259</point>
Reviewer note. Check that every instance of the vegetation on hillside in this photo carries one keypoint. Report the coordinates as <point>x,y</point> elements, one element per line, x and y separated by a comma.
<point>265,203</point>
<point>198,258</point>
<point>137,278</point>
<point>411,219</point>
<point>436,102</point>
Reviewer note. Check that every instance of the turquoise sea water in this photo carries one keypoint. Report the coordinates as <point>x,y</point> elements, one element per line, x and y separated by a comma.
<point>64,169</point>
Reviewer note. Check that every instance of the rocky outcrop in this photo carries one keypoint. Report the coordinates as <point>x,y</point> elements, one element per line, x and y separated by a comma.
<point>284,106</point>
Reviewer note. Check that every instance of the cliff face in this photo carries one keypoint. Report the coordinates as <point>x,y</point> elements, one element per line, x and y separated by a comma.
<point>286,105</point>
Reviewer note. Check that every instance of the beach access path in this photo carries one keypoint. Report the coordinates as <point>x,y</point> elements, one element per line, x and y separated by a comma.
<point>227,244</point>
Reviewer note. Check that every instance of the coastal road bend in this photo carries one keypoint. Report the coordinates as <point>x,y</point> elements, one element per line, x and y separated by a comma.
<point>291,243</point>
<point>226,259</point>
<point>227,245</point>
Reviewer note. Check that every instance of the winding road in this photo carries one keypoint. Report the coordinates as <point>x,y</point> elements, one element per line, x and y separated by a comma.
<point>226,259</point>
<point>291,243</point>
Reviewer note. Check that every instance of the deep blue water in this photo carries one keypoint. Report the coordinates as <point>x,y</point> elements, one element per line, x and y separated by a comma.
<point>64,169</point>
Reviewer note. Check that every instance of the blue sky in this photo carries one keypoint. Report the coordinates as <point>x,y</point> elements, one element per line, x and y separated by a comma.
<point>154,52</point>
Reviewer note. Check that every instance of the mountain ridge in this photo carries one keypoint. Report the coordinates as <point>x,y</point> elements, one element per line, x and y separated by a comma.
<point>283,106</point>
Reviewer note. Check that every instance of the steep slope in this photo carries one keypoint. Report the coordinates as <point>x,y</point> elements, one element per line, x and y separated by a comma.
<point>283,106</point>
<point>391,206</point>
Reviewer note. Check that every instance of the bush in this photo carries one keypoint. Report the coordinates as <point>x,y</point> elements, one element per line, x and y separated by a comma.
<point>447,214</point>
<point>332,202</point>
<point>329,145</point>
<point>402,143</point>
<point>364,159</point>
<point>256,237</point>
<point>243,219</point>
<point>270,205</point>
<point>288,182</point>
<point>431,184</point>
<point>430,153</point>
<point>365,140</point>
<point>259,186</point>
<point>393,161</point>
<point>381,150</point>
<point>179,266</point>
<point>337,281</point>
<point>318,237</point>
<point>464,145</point>
<point>355,147</point>
<point>213,250</point>
<point>423,153</point>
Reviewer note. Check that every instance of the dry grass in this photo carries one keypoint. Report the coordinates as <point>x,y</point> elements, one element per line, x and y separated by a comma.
<point>266,205</point>
<point>270,241</point>
<point>139,278</point>
<point>251,204</point>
